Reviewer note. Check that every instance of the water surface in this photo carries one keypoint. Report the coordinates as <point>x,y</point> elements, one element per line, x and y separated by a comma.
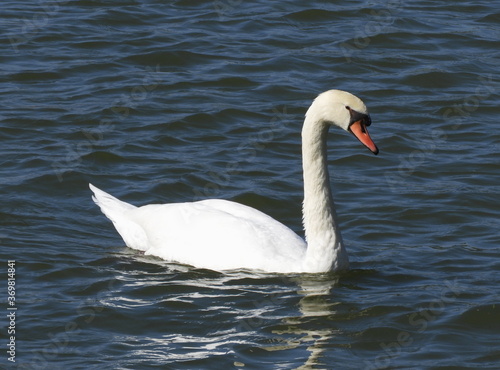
<point>158,102</point>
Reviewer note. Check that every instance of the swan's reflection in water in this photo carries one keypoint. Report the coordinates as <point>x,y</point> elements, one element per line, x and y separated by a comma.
<point>316,291</point>
<point>215,302</point>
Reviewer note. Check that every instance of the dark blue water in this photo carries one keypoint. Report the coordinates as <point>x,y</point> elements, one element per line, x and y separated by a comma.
<point>167,102</point>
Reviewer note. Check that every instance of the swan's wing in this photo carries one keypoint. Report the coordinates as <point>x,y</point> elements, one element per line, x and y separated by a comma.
<point>219,235</point>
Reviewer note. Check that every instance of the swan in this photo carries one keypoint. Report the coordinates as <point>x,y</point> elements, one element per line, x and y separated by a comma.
<point>223,235</point>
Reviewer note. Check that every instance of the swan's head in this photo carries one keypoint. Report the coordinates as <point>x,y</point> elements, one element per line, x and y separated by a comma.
<point>346,111</point>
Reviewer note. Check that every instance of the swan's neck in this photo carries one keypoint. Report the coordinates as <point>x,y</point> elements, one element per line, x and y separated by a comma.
<point>325,249</point>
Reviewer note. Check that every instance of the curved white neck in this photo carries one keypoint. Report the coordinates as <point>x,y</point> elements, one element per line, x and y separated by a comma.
<point>325,249</point>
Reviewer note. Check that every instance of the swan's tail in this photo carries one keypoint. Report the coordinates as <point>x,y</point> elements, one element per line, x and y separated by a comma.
<point>110,206</point>
<point>120,213</point>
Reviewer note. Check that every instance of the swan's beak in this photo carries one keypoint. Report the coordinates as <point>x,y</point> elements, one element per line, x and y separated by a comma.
<point>359,130</point>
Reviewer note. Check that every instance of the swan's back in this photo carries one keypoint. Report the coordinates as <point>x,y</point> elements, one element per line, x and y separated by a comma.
<point>215,234</point>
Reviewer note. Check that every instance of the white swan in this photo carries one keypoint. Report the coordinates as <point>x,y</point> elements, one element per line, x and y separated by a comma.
<point>222,235</point>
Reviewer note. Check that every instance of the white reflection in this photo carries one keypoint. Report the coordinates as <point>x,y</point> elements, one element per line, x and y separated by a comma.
<point>314,303</point>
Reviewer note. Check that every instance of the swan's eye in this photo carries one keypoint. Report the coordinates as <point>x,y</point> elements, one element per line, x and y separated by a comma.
<point>356,116</point>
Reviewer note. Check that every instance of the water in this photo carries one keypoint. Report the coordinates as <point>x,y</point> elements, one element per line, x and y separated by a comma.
<point>165,102</point>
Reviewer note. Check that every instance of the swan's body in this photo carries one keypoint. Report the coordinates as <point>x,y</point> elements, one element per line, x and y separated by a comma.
<point>222,235</point>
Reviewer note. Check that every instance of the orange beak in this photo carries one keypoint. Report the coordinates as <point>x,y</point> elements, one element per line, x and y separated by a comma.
<point>359,130</point>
